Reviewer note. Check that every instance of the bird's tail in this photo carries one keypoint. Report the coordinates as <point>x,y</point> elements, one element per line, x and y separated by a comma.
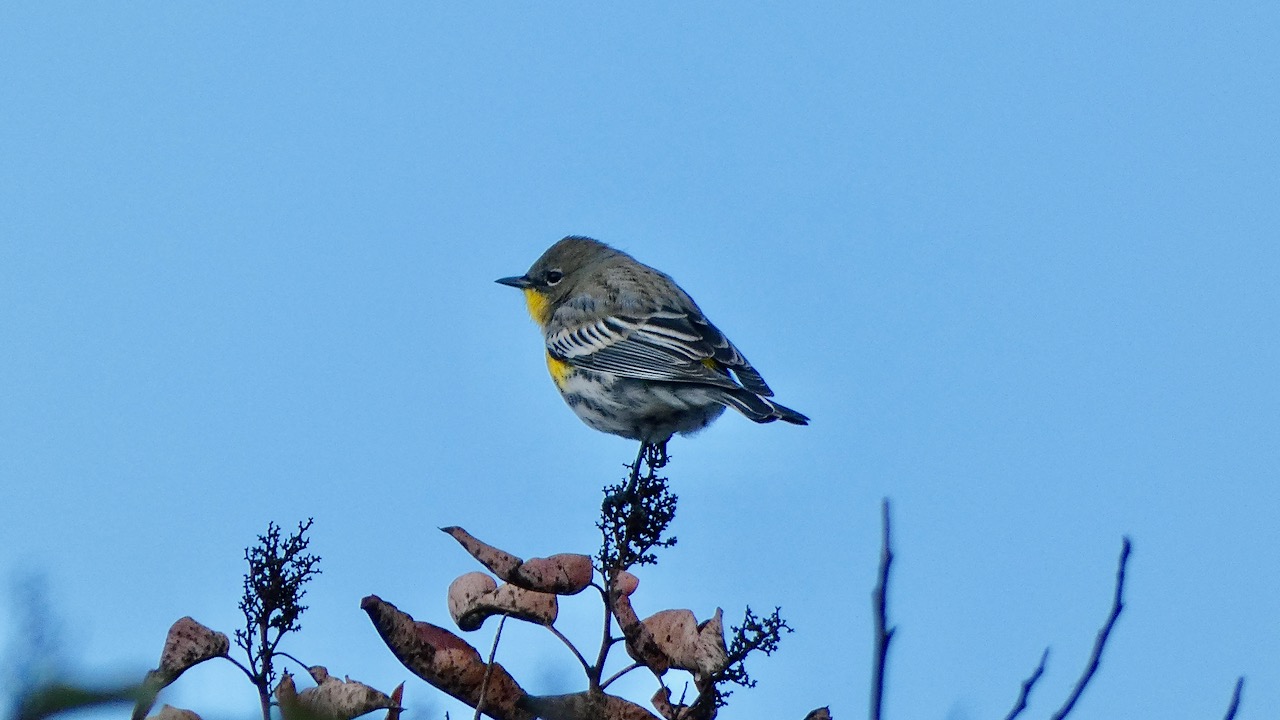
<point>760,409</point>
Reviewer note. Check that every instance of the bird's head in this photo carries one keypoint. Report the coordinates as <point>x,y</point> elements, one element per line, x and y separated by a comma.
<point>559,273</point>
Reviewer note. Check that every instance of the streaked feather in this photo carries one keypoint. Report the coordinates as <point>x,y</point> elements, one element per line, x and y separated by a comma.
<point>665,345</point>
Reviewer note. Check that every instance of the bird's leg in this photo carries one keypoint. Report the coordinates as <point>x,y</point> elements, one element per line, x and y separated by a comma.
<point>651,455</point>
<point>635,469</point>
<point>658,456</point>
<point>642,457</point>
<point>629,493</point>
<point>648,456</point>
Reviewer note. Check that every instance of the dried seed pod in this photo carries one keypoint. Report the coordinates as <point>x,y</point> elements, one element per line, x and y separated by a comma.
<point>447,661</point>
<point>700,649</point>
<point>624,582</point>
<point>287,696</point>
<point>641,645</point>
<point>188,643</point>
<point>330,699</point>
<point>475,597</point>
<point>465,592</point>
<point>562,574</point>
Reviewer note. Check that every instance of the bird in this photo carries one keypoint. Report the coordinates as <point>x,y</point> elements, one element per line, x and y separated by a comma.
<point>631,352</point>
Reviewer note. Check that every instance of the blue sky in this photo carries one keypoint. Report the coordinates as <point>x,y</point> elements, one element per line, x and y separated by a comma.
<point>1018,262</point>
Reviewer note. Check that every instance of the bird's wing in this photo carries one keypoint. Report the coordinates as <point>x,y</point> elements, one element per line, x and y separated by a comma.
<point>728,356</point>
<point>666,345</point>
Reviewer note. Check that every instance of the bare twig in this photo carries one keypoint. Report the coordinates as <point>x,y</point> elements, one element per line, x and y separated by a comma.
<point>620,673</point>
<point>635,470</point>
<point>488,669</point>
<point>301,664</point>
<point>879,602</point>
<point>595,671</point>
<point>248,673</point>
<point>1027,684</point>
<point>1235,700</point>
<point>581,660</point>
<point>1117,604</point>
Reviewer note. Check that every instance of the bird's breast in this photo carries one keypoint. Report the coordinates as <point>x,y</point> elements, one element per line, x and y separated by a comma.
<point>559,370</point>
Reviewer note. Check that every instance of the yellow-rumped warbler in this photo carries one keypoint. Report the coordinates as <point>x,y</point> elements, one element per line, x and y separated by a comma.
<point>631,352</point>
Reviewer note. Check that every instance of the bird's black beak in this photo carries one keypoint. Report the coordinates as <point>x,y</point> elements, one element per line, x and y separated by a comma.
<point>521,282</point>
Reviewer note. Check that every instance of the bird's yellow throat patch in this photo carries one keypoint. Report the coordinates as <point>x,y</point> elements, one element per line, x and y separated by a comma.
<point>559,370</point>
<point>539,306</point>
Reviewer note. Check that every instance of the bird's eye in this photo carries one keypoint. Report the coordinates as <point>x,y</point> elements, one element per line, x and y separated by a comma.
<point>554,276</point>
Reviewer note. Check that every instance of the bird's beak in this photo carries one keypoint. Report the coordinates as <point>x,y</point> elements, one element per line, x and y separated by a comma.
<point>521,282</point>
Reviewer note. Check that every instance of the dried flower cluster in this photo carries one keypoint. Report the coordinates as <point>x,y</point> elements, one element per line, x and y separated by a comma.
<point>279,569</point>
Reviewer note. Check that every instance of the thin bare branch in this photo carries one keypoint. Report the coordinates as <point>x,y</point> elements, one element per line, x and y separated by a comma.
<point>1027,684</point>
<point>1235,700</point>
<point>247,672</point>
<point>620,673</point>
<point>581,660</point>
<point>1117,604</point>
<point>879,602</point>
<point>595,671</point>
<point>488,669</point>
<point>301,664</point>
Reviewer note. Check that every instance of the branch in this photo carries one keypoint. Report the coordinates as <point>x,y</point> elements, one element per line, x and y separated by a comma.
<point>1027,684</point>
<point>581,660</point>
<point>1117,604</point>
<point>595,671</point>
<point>1235,700</point>
<point>879,602</point>
<point>488,669</point>
<point>301,664</point>
<point>633,666</point>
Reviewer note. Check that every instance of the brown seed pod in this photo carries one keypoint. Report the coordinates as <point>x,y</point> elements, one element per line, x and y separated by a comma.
<point>562,574</point>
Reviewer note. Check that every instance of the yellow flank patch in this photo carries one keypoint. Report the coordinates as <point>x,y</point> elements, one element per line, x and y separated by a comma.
<point>711,363</point>
<point>559,370</point>
<point>539,306</point>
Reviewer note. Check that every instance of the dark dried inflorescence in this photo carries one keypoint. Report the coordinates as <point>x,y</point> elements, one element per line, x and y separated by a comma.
<point>756,633</point>
<point>636,514</point>
<point>279,569</point>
